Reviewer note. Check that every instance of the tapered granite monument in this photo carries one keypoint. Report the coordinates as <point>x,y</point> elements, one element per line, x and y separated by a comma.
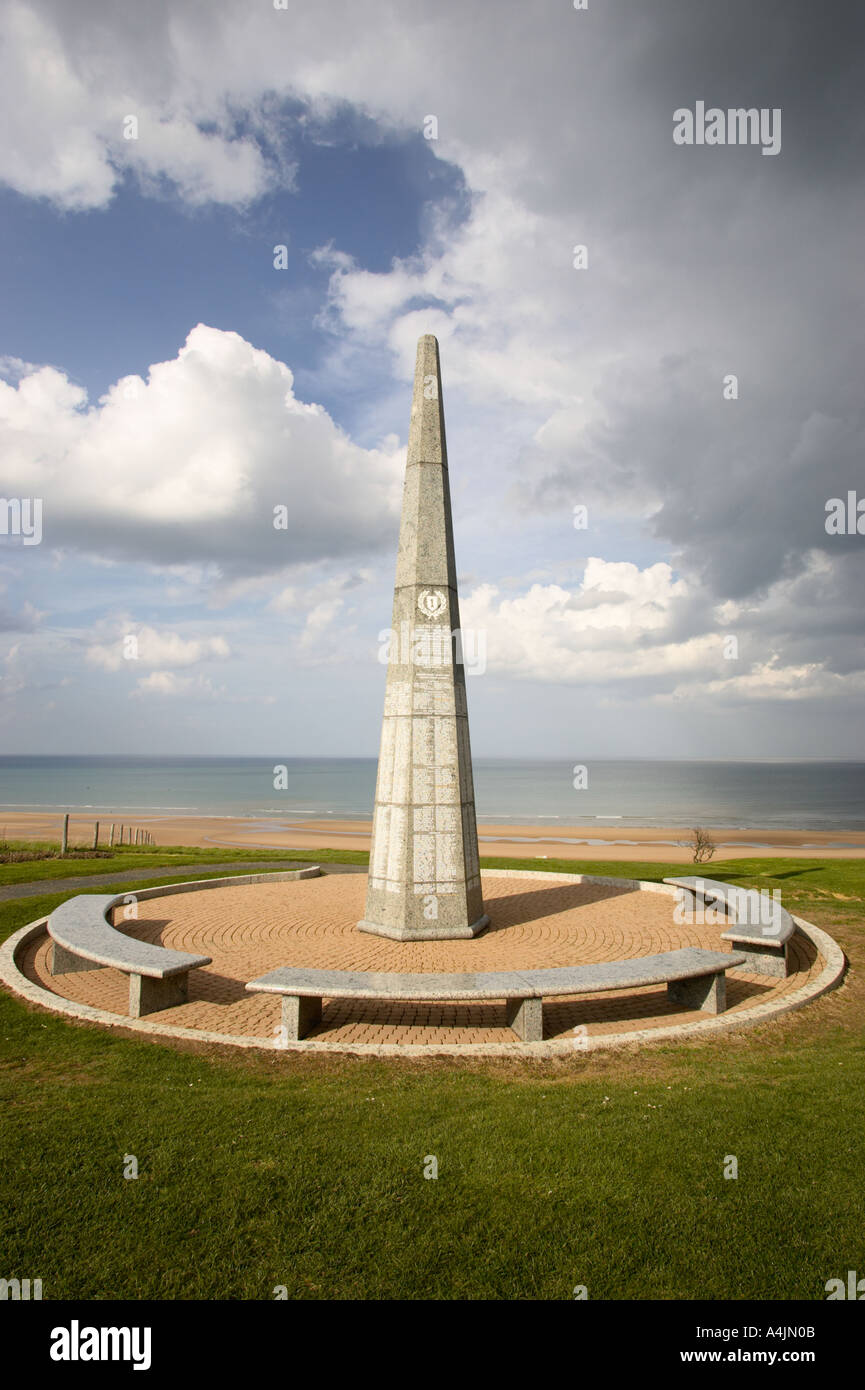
<point>424,876</point>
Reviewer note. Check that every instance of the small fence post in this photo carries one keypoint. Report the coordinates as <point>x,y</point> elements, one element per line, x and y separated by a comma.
<point>64,842</point>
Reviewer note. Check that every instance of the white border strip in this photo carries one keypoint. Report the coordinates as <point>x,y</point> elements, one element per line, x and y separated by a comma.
<point>834,965</point>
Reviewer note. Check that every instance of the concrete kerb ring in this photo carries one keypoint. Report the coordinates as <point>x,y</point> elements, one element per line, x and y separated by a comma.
<point>834,966</point>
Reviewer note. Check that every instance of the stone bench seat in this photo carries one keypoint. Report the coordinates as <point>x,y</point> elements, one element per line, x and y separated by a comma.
<point>695,980</point>
<point>759,925</point>
<point>83,939</point>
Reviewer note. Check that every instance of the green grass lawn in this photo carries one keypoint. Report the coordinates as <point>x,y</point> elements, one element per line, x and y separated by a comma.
<point>258,1170</point>
<point>147,857</point>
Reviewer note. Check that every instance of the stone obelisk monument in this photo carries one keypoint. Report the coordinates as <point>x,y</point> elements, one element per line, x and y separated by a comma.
<point>424,877</point>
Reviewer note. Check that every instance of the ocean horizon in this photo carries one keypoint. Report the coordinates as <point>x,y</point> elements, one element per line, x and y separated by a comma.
<point>818,795</point>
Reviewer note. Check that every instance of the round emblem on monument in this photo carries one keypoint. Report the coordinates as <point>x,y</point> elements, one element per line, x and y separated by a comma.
<point>432,603</point>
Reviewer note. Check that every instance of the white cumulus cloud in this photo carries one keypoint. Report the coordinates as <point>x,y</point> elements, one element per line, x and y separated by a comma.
<point>155,649</point>
<point>211,460</point>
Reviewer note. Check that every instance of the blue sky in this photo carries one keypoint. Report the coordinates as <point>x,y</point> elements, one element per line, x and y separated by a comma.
<point>104,293</point>
<point>141,273</point>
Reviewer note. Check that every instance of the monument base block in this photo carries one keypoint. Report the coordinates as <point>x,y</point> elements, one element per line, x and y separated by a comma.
<point>431,933</point>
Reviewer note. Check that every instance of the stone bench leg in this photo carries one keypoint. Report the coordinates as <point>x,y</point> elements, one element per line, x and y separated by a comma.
<point>63,962</point>
<point>763,961</point>
<point>148,995</point>
<point>705,992</point>
<point>526,1018</point>
<point>300,1013</point>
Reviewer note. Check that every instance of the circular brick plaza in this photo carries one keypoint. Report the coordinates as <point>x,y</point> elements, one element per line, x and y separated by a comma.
<point>536,922</point>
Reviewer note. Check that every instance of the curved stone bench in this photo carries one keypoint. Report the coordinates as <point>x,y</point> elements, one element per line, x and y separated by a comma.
<point>695,979</point>
<point>759,925</point>
<point>83,939</point>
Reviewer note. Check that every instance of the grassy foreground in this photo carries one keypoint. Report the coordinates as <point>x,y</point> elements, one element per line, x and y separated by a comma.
<point>128,857</point>
<point>605,1170</point>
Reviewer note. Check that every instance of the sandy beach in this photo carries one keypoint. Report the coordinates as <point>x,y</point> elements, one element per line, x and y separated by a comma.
<point>511,841</point>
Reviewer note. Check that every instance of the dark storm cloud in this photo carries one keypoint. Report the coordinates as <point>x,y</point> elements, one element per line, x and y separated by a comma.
<point>723,260</point>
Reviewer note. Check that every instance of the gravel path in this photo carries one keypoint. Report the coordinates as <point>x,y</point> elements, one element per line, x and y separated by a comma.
<point>59,885</point>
